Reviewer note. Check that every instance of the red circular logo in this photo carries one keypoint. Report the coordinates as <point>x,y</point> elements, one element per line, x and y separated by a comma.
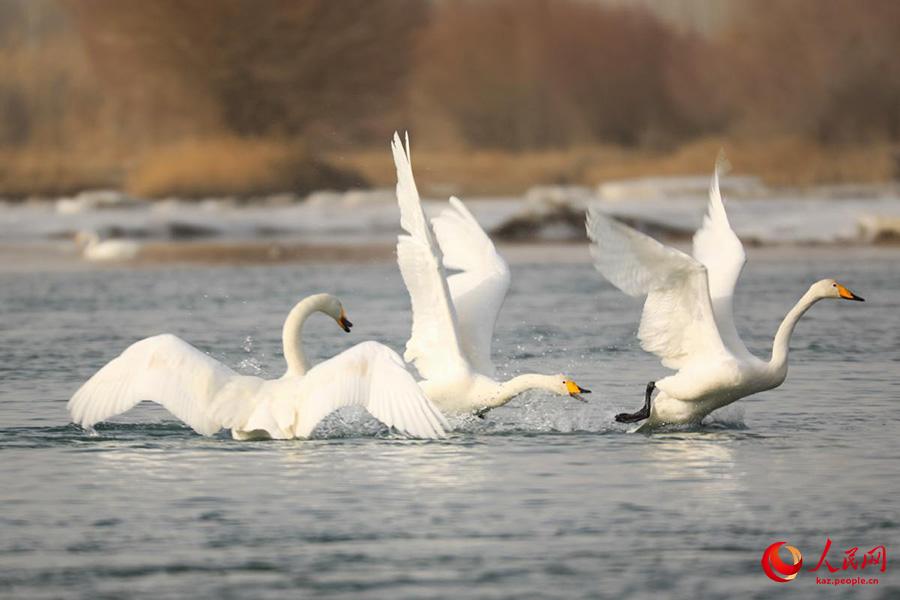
<point>772,563</point>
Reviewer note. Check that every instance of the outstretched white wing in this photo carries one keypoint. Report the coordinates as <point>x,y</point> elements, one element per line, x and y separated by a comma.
<point>164,369</point>
<point>677,323</point>
<point>479,290</point>
<point>373,376</point>
<point>433,344</point>
<point>718,248</point>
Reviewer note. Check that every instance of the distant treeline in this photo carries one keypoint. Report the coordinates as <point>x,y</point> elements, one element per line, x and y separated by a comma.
<point>102,87</point>
<point>535,73</point>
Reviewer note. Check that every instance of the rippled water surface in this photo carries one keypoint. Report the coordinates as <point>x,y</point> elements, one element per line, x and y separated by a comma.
<point>545,498</point>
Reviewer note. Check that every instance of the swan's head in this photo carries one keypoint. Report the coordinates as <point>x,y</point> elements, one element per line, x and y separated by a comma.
<point>332,307</point>
<point>567,387</point>
<point>829,288</point>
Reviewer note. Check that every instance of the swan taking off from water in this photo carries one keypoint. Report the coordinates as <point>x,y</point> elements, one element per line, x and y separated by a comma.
<point>106,250</point>
<point>687,319</point>
<point>208,396</point>
<point>453,319</point>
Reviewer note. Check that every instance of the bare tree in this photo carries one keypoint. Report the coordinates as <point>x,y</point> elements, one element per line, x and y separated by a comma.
<point>827,70</point>
<point>533,73</point>
<point>263,68</point>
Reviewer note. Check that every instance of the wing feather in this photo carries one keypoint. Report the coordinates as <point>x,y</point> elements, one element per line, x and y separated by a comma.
<point>719,249</point>
<point>479,290</point>
<point>164,369</point>
<point>677,323</point>
<point>373,376</point>
<point>434,344</point>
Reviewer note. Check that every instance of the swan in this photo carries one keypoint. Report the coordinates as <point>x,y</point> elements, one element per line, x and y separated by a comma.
<point>687,319</point>
<point>453,319</point>
<point>208,395</point>
<point>106,250</point>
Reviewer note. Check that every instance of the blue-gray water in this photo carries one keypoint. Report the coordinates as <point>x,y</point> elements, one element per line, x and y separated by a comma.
<point>546,498</point>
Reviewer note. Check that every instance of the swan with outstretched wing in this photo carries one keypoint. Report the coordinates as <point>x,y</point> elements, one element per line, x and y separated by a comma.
<point>479,287</point>
<point>688,314</point>
<point>453,318</point>
<point>209,396</point>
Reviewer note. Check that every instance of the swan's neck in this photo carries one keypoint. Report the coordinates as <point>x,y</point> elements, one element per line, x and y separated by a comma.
<point>290,334</point>
<point>515,386</point>
<point>782,342</point>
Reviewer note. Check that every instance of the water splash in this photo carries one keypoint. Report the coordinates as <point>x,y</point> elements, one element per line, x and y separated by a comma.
<point>349,422</point>
<point>536,412</point>
<point>249,365</point>
<point>727,417</point>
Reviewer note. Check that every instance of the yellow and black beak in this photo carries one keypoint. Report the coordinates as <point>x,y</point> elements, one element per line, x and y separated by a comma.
<point>344,323</point>
<point>848,295</point>
<point>576,390</point>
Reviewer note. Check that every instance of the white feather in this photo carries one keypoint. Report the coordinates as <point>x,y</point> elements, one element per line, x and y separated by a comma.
<point>687,319</point>
<point>433,344</point>
<point>163,368</point>
<point>479,290</point>
<point>373,376</point>
<point>720,250</point>
<point>452,350</point>
<point>678,321</point>
<point>209,396</point>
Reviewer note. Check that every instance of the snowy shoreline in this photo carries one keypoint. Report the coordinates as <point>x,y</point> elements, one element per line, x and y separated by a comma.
<point>665,207</point>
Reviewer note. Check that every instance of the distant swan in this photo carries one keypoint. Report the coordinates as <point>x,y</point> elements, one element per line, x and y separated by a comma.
<point>106,250</point>
<point>209,396</point>
<point>453,319</point>
<point>687,318</point>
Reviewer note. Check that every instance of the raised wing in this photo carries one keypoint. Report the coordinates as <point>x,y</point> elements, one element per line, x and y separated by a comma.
<point>718,248</point>
<point>164,369</point>
<point>479,290</point>
<point>677,323</point>
<point>433,345</point>
<point>373,376</point>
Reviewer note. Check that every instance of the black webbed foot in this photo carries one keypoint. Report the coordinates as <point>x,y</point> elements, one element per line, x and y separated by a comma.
<point>633,417</point>
<point>643,413</point>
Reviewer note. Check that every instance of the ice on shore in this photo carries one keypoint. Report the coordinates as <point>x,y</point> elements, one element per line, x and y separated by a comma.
<point>90,200</point>
<point>658,188</point>
<point>661,205</point>
<point>674,207</point>
<point>879,228</point>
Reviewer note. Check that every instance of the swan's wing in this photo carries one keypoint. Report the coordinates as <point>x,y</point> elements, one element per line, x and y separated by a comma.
<point>718,248</point>
<point>677,323</point>
<point>433,344</point>
<point>479,290</point>
<point>373,376</point>
<point>716,245</point>
<point>164,369</point>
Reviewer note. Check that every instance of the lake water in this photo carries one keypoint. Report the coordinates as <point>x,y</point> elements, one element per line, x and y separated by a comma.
<point>545,498</point>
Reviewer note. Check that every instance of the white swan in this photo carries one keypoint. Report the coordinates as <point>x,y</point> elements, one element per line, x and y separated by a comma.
<point>687,319</point>
<point>453,319</point>
<point>208,396</point>
<point>106,250</point>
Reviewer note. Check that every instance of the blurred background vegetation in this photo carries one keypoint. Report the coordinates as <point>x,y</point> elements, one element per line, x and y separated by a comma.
<point>241,97</point>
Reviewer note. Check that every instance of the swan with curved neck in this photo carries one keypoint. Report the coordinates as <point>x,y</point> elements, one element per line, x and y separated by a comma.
<point>687,318</point>
<point>293,327</point>
<point>453,317</point>
<point>209,396</point>
<point>826,288</point>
